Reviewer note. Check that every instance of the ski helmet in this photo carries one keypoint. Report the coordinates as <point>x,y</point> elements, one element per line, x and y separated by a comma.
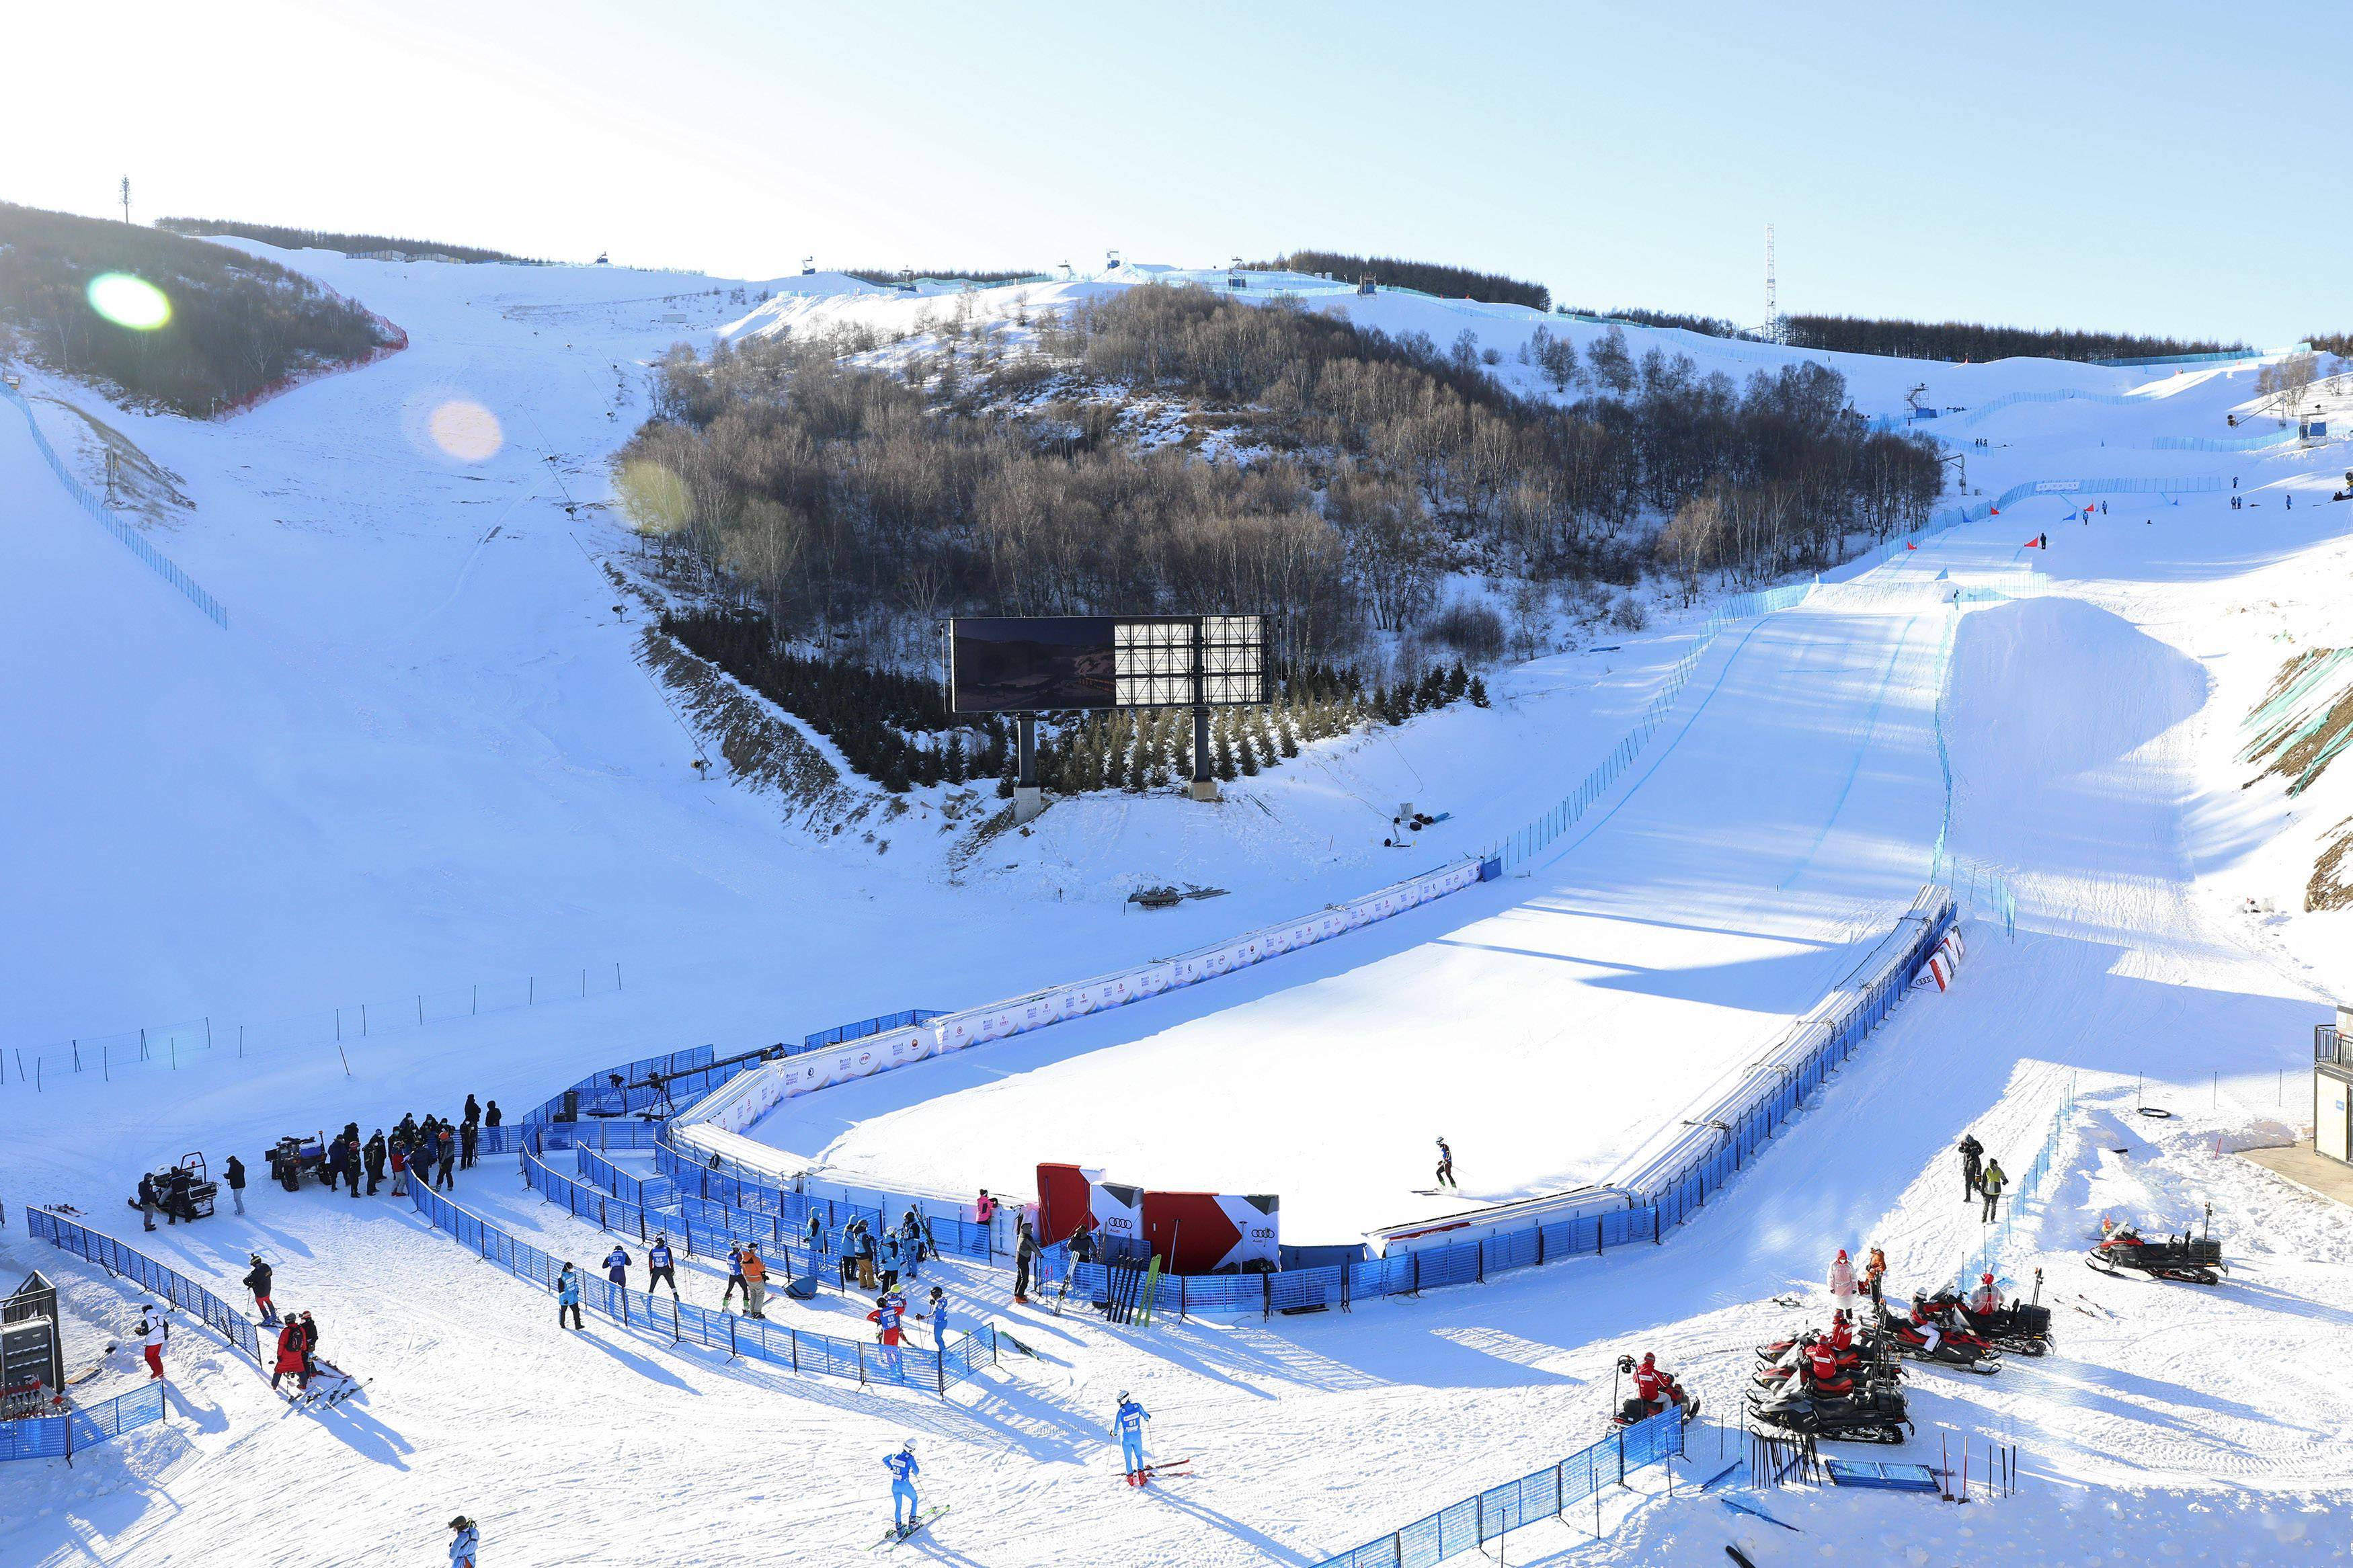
<point>1649,1358</point>
<point>1986,1279</point>
<point>1123,1396</point>
<point>908,1447</point>
<point>1842,1257</point>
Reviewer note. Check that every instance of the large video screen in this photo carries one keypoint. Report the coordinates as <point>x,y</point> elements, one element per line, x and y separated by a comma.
<point>1034,663</point>
<point>1018,665</point>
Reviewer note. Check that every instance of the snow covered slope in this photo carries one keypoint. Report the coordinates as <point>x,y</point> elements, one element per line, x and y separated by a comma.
<point>426,751</point>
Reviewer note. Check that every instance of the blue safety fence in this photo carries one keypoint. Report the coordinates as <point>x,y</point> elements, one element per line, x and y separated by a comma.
<point>154,1277</point>
<point>1548,1493</point>
<point>611,1199</point>
<point>108,519</point>
<point>738,1186</point>
<point>754,1339</point>
<point>684,1073</point>
<point>1962,418</point>
<point>2228,356</point>
<point>1536,834</point>
<point>903,1019</point>
<point>63,1436</point>
<point>1974,887</point>
<point>2221,443</point>
<point>2028,1182</point>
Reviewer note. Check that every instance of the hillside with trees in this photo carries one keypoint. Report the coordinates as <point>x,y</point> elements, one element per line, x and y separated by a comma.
<point>286,238</point>
<point>1431,278</point>
<point>239,326</point>
<point>1167,448</point>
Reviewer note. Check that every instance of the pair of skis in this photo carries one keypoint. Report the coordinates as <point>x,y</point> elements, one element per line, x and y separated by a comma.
<point>329,1386</point>
<point>898,1533</point>
<point>1180,1469</point>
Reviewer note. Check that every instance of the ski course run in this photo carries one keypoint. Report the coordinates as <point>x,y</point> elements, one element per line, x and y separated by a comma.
<point>1779,823</point>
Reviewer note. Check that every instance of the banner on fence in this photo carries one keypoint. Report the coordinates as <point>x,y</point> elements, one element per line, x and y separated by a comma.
<point>1211,1233</point>
<point>1065,1200</point>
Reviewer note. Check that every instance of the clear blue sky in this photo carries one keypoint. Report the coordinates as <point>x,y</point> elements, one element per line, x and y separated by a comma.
<point>2131,166</point>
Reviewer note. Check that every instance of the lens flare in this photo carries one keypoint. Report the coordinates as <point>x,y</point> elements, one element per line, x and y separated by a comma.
<point>465,431</point>
<point>129,301</point>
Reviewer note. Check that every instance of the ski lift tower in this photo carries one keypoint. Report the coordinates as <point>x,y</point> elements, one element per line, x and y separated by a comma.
<point>1112,259</point>
<point>809,266</point>
<point>1234,279</point>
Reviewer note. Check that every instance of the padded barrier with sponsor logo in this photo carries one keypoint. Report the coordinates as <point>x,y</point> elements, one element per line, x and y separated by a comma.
<point>1190,1233</point>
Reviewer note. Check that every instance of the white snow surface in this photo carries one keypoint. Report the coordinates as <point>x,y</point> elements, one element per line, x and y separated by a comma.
<point>424,754</point>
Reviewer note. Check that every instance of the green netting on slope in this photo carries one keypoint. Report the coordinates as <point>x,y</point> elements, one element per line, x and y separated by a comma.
<point>2300,728</point>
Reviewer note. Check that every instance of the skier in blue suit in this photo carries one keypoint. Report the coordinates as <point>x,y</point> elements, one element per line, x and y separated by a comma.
<point>903,1471</point>
<point>1129,1425</point>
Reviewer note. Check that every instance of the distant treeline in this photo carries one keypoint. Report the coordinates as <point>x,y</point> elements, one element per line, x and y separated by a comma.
<point>1895,338</point>
<point>322,239</point>
<point>1709,326</point>
<point>1448,282</point>
<point>1954,341</point>
<point>2337,344</point>
<point>239,326</point>
<point>892,277</point>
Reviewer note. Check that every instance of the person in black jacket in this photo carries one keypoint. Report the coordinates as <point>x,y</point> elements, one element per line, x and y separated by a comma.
<point>1972,1164</point>
<point>258,1281</point>
<point>147,1200</point>
<point>309,1347</point>
<point>374,1154</point>
<point>234,1174</point>
<point>448,1142</point>
<point>467,1133</point>
<point>1025,1258</point>
<point>491,1116</point>
<point>473,1111</point>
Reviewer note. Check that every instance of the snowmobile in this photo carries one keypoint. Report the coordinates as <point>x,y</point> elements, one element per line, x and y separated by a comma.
<point>1858,1359</point>
<point>1635,1408</point>
<point>2019,1326</point>
<point>1840,1412</point>
<point>2190,1260</point>
<point>1954,1347</point>
<point>1865,1347</point>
